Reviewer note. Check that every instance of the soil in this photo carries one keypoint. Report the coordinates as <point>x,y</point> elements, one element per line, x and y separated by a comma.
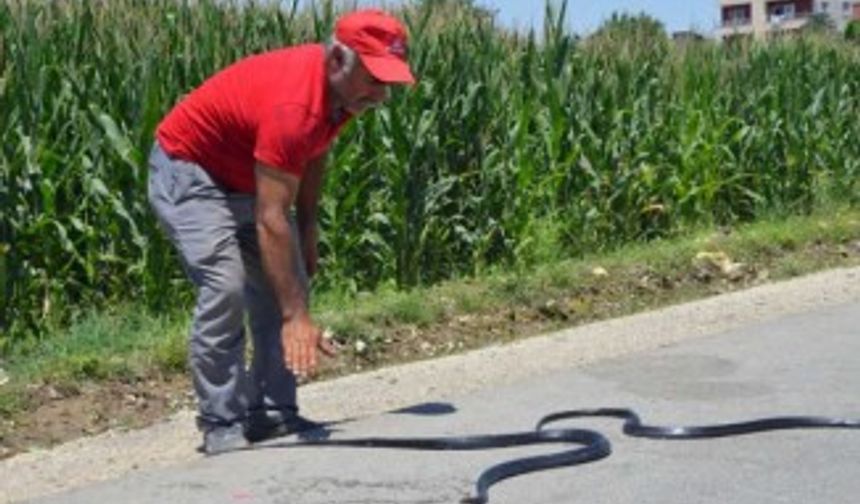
<point>65,413</point>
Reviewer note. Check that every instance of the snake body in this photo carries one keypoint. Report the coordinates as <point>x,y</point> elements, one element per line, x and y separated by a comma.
<point>590,445</point>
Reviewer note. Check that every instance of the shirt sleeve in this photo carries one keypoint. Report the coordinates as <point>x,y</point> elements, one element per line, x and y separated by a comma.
<point>281,139</point>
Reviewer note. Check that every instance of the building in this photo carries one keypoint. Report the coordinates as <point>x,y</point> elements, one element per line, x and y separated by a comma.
<point>762,18</point>
<point>842,12</point>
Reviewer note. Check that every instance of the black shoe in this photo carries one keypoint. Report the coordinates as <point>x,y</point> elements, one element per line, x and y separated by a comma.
<point>263,426</point>
<point>221,439</point>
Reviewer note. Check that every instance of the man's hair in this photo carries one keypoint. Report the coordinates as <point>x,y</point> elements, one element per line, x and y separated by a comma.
<point>349,55</point>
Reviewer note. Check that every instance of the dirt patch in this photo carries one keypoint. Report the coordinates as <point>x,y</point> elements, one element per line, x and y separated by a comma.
<point>62,413</point>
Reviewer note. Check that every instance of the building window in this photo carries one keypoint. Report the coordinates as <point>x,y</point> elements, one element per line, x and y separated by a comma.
<point>846,6</point>
<point>737,15</point>
<point>825,6</point>
<point>780,12</point>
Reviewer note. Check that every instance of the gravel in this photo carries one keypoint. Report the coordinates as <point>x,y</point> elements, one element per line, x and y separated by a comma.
<point>174,440</point>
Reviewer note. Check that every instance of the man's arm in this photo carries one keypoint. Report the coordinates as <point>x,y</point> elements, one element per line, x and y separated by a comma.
<point>276,194</point>
<point>307,203</point>
<point>309,192</point>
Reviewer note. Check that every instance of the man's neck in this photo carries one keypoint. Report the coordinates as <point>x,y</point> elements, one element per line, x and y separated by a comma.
<point>337,115</point>
<point>336,111</point>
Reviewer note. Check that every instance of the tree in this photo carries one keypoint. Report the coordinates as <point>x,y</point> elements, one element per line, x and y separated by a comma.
<point>820,23</point>
<point>625,25</point>
<point>470,7</point>
<point>631,34</point>
<point>852,31</point>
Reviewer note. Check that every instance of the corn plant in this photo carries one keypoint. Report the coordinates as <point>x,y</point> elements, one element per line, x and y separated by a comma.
<point>513,148</point>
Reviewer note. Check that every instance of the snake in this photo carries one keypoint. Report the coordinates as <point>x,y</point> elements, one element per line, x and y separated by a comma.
<point>589,445</point>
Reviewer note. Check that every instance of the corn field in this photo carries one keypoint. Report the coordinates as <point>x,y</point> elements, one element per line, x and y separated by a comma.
<point>514,148</point>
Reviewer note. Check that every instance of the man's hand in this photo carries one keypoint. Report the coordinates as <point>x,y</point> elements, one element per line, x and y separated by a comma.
<point>301,339</point>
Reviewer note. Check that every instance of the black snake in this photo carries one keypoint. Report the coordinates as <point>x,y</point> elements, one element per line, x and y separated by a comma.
<point>592,445</point>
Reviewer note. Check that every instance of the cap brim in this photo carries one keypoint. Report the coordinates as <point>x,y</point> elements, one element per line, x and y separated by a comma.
<point>388,69</point>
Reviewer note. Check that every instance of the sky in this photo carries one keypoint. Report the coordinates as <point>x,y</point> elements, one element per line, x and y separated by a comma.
<point>586,15</point>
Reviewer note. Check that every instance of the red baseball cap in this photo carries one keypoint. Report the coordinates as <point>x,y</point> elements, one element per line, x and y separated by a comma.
<point>380,41</point>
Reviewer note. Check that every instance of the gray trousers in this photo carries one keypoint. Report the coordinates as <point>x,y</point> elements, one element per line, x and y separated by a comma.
<point>214,232</point>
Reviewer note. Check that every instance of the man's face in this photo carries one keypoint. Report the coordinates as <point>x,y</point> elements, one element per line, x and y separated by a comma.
<point>356,89</point>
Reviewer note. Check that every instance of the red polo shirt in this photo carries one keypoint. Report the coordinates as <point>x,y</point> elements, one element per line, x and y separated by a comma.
<point>270,108</point>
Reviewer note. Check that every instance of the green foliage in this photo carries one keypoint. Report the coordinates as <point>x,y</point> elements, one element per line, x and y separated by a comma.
<point>11,402</point>
<point>820,23</point>
<point>171,353</point>
<point>636,29</point>
<point>852,31</point>
<point>512,149</point>
<point>118,343</point>
<point>413,309</point>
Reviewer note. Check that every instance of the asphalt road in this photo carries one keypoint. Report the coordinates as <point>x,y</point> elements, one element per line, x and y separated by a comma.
<point>802,364</point>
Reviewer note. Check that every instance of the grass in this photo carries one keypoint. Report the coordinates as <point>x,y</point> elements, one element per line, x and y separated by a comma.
<point>123,343</point>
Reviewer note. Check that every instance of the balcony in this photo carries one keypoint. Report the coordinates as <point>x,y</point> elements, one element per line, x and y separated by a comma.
<point>782,17</point>
<point>788,11</point>
<point>728,30</point>
<point>788,21</point>
<point>736,22</point>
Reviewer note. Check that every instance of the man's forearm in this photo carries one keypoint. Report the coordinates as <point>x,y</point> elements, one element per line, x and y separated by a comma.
<point>276,239</point>
<point>307,200</point>
<point>306,220</point>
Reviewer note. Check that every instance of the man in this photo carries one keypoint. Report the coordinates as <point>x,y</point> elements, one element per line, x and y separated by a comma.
<point>230,163</point>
